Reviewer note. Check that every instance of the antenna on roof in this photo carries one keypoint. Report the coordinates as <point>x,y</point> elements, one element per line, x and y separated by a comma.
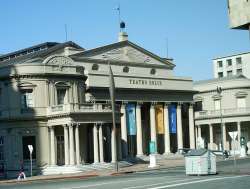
<point>167,46</point>
<point>66,32</point>
<point>118,8</point>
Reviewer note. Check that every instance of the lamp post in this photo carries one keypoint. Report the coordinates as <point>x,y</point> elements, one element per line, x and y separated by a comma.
<point>112,100</point>
<point>219,91</point>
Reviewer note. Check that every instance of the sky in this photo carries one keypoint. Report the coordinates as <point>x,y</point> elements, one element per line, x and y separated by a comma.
<point>196,31</point>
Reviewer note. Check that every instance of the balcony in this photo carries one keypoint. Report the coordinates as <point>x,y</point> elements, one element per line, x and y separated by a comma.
<point>225,112</point>
<point>79,108</point>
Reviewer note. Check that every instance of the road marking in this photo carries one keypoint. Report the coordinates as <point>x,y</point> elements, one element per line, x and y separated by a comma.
<point>198,181</point>
<point>148,185</point>
<point>112,182</point>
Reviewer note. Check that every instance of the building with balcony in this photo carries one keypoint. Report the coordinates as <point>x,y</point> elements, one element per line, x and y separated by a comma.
<point>231,109</point>
<point>227,66</point>
<point>55,96</point>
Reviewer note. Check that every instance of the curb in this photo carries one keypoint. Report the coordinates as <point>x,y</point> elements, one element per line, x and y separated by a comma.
<point>48,179</point>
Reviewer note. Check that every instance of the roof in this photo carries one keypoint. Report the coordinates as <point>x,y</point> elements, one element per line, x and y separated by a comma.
<point>220,79</point>
<point>232,55</point>
<point>198,152</point>
<point>124,43</point>
<point>39,50</point>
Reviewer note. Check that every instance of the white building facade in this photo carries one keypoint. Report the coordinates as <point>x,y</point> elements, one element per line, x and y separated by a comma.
<point>218,114</point>
<point>55,96</point>
<point>237,64</point>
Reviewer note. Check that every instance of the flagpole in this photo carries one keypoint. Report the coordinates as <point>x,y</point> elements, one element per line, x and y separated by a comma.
<point>112,99</point>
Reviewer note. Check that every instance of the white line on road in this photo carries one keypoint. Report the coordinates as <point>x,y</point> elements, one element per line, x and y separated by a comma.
<point>112,182</point>
<point>148,185</point>
<point>199,181</point>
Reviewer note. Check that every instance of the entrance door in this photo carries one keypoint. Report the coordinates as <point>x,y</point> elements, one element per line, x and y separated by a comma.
<point>60,150</point>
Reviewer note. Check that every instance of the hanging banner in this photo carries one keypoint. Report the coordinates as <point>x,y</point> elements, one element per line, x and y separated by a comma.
<point>130,118</point>
<point>159,119</point>
<point>172,118</point>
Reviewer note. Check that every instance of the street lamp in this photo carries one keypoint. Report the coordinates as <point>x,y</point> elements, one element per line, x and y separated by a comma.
<point>219,91</point>
<point>112,100</point>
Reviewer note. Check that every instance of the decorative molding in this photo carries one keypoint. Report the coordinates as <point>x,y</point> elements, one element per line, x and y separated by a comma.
<point>58,60</point>
<point>241,94</point>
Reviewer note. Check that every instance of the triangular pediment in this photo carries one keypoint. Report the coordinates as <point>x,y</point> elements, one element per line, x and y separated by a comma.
<point>125,51</point>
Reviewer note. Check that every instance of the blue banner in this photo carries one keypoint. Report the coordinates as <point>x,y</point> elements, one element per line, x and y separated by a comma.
<point>130,118</point>
<point>172,118</point>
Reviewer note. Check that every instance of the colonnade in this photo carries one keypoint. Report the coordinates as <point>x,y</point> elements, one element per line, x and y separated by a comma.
<point>153,133</point>
<point>224,133</point>
<point>72,144</point>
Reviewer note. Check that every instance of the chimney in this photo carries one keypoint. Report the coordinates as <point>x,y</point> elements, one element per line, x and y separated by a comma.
<point>123,36</point>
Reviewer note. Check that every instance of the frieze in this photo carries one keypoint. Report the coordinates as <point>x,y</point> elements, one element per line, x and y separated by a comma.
<point>145,82</point>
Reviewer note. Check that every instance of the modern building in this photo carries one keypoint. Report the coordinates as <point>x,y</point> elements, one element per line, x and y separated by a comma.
<point>236,64</point>
<point>55,96</point>
<point>217,114</point>
<point>239,14</point>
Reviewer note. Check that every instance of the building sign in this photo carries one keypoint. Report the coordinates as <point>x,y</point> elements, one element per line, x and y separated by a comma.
<point>145,82</point>
<point>159,119</point>
<point>172,118</point>
<point>130,118</point>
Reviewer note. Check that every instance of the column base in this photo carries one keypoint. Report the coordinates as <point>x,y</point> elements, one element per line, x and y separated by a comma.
<point>167,153</point>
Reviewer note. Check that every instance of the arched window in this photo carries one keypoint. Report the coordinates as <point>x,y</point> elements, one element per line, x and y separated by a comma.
<point>95,67</point>
<point>126,69</point>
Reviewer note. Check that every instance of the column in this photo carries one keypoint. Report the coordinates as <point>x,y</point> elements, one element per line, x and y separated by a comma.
<point>96,147</point>
<point>211,137</point>
<point>196,135</point>
<point>179,127</point>
<point>139,130</point>
<point>66,145</point>
<point>124,137</point>
<point>191,127</point>
<point>52,94</point>
<point>199,131</point>
<point>113,146</point>
<point>152,126</point>
<point>166,131</point>
<point>52,146</point>
<point>47,101</point>
<point>77,144</point>
<point>224,135</point>
<point>239,133</point>
<point>101,144</point>
<point>71,145</point>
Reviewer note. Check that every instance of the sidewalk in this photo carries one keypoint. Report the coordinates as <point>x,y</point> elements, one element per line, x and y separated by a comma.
<point>163,163</point>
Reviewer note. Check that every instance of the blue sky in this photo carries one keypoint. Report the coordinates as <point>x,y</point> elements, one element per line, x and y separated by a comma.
<point>197,30</point>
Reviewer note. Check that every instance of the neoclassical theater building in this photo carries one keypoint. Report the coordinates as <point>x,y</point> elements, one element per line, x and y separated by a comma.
<point>55,97</point>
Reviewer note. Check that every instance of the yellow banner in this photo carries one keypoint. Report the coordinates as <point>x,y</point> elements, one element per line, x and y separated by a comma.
<point>159,119</point>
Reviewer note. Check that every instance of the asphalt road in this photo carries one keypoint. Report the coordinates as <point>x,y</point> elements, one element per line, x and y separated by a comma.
<point>157,179</point>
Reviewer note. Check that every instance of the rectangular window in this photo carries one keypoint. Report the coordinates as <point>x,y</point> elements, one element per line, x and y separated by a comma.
<point>229,73</point>
<point>229,62</point>
<point>238,61</point>
<point>217,104</point>
<point>220,64</point>
<point>220,74</point>
<point>29,140</point>
<point>26,98</point>
<point>61,94</point>
<point>1,148</point>
<point>198,106</point>
<point>239,71</point>
<point>241,102</point>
